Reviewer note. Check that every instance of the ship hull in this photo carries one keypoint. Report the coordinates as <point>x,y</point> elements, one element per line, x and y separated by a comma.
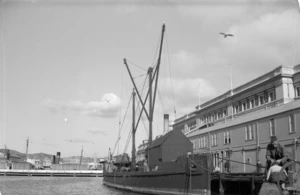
<point>190,175</point>
<point>159,183</point>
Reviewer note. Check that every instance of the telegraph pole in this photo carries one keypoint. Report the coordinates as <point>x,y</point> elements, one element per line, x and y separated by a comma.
<point>81,156</point>
<point>27,145</point>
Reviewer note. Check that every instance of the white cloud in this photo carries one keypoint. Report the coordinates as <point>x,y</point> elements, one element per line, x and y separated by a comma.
<point>107,107</point>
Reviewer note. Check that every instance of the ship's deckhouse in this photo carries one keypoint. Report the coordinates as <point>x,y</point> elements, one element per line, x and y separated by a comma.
<point>236,126</point>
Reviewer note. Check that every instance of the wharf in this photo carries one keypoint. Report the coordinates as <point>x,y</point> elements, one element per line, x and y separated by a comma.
<point>52,173</point>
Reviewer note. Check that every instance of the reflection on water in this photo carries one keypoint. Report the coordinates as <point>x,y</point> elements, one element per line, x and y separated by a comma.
<point>11,185</point>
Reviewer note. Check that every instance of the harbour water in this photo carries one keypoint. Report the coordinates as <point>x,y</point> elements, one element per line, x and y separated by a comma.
<point>15,185</point>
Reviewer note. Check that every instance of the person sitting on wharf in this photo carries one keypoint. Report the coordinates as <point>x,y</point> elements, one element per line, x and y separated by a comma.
<point>276,153</point>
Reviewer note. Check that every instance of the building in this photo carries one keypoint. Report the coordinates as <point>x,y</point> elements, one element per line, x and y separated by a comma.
<point>236,126</point>
<point>71,160</point>
<point>141,152</point>
<point>168,147</point>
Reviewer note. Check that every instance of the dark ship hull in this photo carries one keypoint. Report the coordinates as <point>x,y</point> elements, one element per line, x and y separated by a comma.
<point>185,175</point>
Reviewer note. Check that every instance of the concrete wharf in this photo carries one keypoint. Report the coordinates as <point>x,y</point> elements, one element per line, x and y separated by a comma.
<point>52,173</point>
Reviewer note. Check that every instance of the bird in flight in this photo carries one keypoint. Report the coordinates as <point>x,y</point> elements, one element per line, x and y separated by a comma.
<point>226,35</point>
<point>107,100</point>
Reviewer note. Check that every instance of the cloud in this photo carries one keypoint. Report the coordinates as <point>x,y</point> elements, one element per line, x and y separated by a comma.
<point>107,107</point>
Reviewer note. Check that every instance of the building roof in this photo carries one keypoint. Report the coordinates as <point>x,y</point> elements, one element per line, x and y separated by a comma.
<point>249,117</point>
<point>279,71</point>
<point>159,141</point>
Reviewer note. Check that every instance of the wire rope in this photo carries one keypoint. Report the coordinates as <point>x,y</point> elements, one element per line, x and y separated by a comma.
<point>136,64</point>
<point>118,139</point>
<point>171,77</point>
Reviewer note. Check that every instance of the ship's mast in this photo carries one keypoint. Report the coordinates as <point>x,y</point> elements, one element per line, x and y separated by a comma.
<point>153,80</point>
<point>151,108</point>
<point>133,161</point>
<point>155,76</point>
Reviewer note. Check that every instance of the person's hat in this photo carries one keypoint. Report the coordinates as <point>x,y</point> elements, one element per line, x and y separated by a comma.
<point>273,138</point>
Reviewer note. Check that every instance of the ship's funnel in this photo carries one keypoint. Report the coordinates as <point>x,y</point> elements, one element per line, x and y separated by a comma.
<point>166,123</point>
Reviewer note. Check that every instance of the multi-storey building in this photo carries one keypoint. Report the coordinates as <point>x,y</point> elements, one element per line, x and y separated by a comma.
<point>236,126</point>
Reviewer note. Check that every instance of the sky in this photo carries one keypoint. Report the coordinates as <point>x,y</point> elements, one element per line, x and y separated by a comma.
<point>63,83</point>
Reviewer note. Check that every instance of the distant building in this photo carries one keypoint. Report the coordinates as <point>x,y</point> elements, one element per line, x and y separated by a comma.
<point>237,125</point>
<point>141,152</point>
<point>71,160</point>
<point>12,158</point>
<point>2,157</point>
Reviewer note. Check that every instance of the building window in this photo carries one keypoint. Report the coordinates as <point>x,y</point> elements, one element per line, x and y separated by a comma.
<point>297,91</point>
<point>236,108</point>
<point>194,144</point>
<point>266,97</point>
<point>256,100</point>
<point>202,142</point>
<point>186,128</point>
<point>192,125</point>
<point>251,103</point>
<point>213,139</point>
<point>227,137</point>
<point>261,100</point>
<point>291,123</point>
<point>224,113</point>
<point>244,106</point>
<point>227,153</point>
<point>271,96</point>
<point>250,131</point>
<point>199,142</point>
<point>272,127</point>
<point>198,121</point>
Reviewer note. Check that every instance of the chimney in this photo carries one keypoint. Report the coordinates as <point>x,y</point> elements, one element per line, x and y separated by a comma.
<point>58,157</point>
<point>166,123</point>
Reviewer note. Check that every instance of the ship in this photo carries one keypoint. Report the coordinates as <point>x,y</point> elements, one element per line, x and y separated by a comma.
<point>182,160</point>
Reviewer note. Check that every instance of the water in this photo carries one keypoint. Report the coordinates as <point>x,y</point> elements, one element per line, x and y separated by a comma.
<point>15,185</point>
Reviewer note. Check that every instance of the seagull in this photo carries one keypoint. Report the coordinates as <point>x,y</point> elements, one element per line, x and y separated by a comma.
<point>107,100</point>
<point>226,35</point>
